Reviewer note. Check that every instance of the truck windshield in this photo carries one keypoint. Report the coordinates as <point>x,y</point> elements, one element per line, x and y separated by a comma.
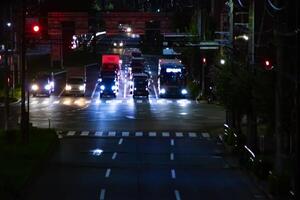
<point>172,78</point>
<point>75,81</point>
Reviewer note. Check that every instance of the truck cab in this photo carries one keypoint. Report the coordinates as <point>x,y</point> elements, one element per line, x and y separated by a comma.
<point>140,85</point>
<point>109,86</point>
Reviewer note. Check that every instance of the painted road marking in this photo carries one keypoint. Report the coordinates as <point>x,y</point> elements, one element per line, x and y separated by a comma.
<point>192,135</point>
<point>125,134</point>
<point>84,133</point>
<point>107,173</point>
<point>173,173</point>
<point>206,135</point>
<point>99,133</point>
<point>179,134</point>
<point>114,156</point>
<point>102,194</point>
<point>139,101</point>
<point>172,156</point>
<point>139,134</point>
<point>165,134</point>
<point>71,133</point>
<point>94,90</point>
<point>120,141</point>
<point>177,195</point>
<point>152,134</point>
<point>112,133</point>
<point>172,142</point>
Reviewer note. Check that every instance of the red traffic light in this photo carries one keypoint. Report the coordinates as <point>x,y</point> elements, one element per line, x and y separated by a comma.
<point>268,65</point>
<point>36,28</point>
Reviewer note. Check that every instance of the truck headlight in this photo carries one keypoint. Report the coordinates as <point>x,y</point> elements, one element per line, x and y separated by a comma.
<point>82,87</point>
<point>102,87</point>
<point>121,44</point>
<point>184,91</point>
<point>68,87</point>
<point>34,87</point>
<point>162,91</point>
<point>47,87</point>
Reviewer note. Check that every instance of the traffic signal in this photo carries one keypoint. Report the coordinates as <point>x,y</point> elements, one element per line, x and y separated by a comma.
<point>268,65</point>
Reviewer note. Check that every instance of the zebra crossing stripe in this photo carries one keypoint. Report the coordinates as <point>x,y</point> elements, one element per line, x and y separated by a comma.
<point>152,134</point>
<point>71,133</point>
<point>138,134</point>
<point>112,133</point>
<point>165,134</point>
<point>84,133</point>
<point>99,133</point>
<point>139,101</point>
<point>179,134</point>
<point>125,134</point>
<point>206,135</point>
<point>192,135</point>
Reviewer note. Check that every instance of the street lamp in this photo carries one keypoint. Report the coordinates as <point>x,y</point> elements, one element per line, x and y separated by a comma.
<point>222,61</point>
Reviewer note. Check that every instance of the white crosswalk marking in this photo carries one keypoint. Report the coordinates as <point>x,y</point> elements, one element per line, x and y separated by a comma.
<point>112,133</point>
<point>179,134</point>
<point>139,101</point>
<point>125,134</point>
<point>71,133</point>
<point>152,134</point>
<point>165,134</point>
<point>84,133</point>
<point>192,134</point>
<point>99,133</point>
<point>138,134</point>
<point>206,135</point>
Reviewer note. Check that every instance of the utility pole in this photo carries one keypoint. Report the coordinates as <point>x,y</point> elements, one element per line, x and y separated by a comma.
<point>24,113</point>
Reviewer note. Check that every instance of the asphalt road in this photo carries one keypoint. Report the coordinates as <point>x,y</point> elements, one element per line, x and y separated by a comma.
<point>141,165</point>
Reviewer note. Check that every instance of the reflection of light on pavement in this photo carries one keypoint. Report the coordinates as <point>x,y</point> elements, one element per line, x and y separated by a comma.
<point>46,102</point>
<point>150,101</point>
<point>97,102</point>
<point>130,102</point>
<point>81,102</point>
<point>183,102</point>
<point>97,152</point>
<point>88,101</point>
<point>34,102</point>
<point>56,102</point>
<point>183,113</point>
<point>161,101</point>
<point>67,102</point>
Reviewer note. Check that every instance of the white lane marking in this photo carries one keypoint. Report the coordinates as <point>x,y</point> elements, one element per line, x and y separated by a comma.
<point>177,195</point>
<point>61,93</point>
<point>192,135</point>
<point>138,134</point>
<point>112,133</point>
<point>125,134</point>
<point>107,173</point>
<point>33,102</point>
<point>84,133</point>
<point>166,134</point>
<point>99,133</point>
<point>173,173</point>
<point>179,134</point>
<point>71,133</point>
<point>205,135</point>
<point>94,90</point>
<point>120,141</point>
<point>172,142</point>
<point>56,102</point>
<point>139,101</point>
<point>152,134</point>
<point>102,194</point>
<point>114,156</point>
<point>156,96</point>
<point>172,156</point>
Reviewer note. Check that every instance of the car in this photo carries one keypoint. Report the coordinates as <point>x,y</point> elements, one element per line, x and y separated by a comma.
<point>118,44</point>
<point>42,85</point>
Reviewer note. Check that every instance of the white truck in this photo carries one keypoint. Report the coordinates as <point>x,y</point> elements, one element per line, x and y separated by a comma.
<point>76,81</point>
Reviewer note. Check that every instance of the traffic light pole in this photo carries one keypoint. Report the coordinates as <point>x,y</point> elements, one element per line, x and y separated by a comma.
<point>24,113</point>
